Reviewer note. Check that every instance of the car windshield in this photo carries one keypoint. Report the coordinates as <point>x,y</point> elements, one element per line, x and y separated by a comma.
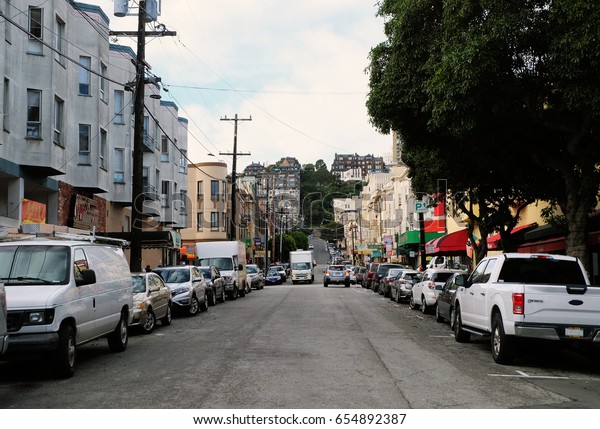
<point>301,266</point>
<point>441,277</point>
<point>337,268</point>
<point>223,264</point>
<point>272,273</point>
<point>251,270</point>
<point>205,274</point>
<point>34,265</point>
<point>139,285</point>
<point>174,276</point>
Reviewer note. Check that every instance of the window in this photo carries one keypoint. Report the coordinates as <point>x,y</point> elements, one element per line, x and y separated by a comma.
<point>214,189</point>
<point>200,189</point>
<point>165,191</point>
<point>126,224</point>
<point>103,73</point>
<point>164,149</point>
<point>199,221</point>
<point>7,28</point>
<point>214,221</point>
<point>84,75</point>
<point>119,101</point>
<point>183,196</point>
<point>6,105</point>
<point>34,113</point>
<point>102,157</point>
<point>223,221</point>
<point>84,144</point>
<point>224,189</point>
<point>183,162</point>
<point>58,121</point>
<point>119,166</point>
<point>146,132</point>
<point>59,32</point>
<point>36,15</point>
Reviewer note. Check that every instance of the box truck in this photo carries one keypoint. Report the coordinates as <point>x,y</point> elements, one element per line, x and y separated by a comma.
<point>302,266</point>
<point>230,258</point>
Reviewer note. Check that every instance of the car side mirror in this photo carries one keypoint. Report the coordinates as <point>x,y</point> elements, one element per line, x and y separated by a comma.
<point>88,277</point>
<point>240,267</point>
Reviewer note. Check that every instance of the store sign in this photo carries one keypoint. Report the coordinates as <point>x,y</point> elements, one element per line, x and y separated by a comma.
<point>85,213</point>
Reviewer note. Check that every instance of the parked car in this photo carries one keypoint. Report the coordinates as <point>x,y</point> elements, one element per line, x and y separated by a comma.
<point>151,301</point>
<point>281,270</point>
<point>424,293</point>
<point>255,276</point>
<point>273,277</point>
<point>360,273</point>
<point>445,300</point>
<point>385,285</point>
<point>380,274</point>
<point>215,284</point>
<point>352,274</point>
<point>368,278</point>
<point>337,274</point>
<point>188,288</point>
<point>401,288</point>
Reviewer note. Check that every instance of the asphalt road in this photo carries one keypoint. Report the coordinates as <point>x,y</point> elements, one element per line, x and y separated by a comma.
<point>305,346</point>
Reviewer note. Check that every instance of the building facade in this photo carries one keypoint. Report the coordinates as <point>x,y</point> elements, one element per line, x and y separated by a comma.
<point>367,164</point>
<point>67,140</point>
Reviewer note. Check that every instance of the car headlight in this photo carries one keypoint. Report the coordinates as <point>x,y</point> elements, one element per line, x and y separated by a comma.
<point>38,317</point>
<point>228,279</point>
<point>180,290</point>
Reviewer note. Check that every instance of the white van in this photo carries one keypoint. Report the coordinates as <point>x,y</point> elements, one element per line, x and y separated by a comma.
<point>230,258</point>
<point>3,328</point>
<point>63,293</point>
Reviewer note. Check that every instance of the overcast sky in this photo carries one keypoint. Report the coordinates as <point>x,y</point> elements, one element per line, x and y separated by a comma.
<point>297,68</point>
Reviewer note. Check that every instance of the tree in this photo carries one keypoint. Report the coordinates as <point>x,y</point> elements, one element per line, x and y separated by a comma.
<point>332,231</point>
<point>500,96</point>
<point>300,239</point>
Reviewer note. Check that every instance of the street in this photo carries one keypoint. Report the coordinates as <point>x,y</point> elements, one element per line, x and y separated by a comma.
<point>304,346</point>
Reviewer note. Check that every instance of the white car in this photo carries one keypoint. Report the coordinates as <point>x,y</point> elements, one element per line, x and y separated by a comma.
<point>425,292</point>
<point>188,287</point>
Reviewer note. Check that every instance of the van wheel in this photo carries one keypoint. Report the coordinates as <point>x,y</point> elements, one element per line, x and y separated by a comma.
<point>117,339</point>
<point>166,320</point>
<point>148,327</point>
<point>194,306</point>
<point>233,294</point>
<point>65,354</point>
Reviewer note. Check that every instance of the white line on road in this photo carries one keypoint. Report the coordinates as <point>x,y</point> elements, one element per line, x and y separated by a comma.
<point>522,374</point>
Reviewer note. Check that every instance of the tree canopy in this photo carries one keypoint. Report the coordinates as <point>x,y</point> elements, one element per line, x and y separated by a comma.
<point>501,99</point>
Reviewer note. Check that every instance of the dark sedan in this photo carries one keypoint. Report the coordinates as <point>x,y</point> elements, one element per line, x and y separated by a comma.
<point>445,300</point>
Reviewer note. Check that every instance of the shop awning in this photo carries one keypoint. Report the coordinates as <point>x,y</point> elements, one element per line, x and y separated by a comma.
<point>494,242</point>
<point>551,245</point>
<point>453,244</point>
<point>412,237</point>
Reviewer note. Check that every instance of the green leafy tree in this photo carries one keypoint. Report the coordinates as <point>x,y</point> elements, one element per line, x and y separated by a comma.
<point>332,231</point>
<point>300,239</point>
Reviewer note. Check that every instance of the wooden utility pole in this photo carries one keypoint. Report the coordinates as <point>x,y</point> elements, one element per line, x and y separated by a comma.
<point>232,234</point>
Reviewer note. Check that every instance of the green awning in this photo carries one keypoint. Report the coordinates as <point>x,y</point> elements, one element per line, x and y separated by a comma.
<point>412,237</point>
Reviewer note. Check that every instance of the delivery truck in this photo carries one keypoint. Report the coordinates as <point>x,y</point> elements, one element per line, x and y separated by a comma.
<point>302,266</point>
<point>230,258</point>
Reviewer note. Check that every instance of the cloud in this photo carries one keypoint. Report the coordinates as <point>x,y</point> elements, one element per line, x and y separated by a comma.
<point>298,68</point>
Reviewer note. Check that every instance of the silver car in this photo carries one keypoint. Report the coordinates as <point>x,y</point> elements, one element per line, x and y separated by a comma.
<point>401,288</point>
<point>188,288</point>
<point>151,301</point>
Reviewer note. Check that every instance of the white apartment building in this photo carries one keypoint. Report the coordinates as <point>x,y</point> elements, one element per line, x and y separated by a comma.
<point>67,140</point>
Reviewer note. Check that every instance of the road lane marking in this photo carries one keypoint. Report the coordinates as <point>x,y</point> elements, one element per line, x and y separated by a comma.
<point>522,374</point>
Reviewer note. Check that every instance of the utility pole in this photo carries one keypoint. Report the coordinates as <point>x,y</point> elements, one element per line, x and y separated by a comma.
<point>232,235</point>
<point>137,191</point>
<point>137,185</point>
<point>266,246</point>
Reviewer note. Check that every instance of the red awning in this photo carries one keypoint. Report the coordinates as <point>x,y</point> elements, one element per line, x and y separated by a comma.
<point>557,244</point>
<point>452,244</point>
<point>493,241</point>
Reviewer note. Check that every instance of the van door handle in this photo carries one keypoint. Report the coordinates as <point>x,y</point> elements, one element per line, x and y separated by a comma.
<point>482,293</point>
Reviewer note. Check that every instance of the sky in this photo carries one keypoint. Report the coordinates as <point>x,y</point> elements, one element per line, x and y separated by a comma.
<point>296,68</point>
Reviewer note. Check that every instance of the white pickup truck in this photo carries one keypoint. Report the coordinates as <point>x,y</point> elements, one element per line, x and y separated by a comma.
<point>520,295</point>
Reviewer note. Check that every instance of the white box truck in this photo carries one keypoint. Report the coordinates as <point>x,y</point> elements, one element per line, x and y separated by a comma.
<point>230,258</point>
<point>302,266</point>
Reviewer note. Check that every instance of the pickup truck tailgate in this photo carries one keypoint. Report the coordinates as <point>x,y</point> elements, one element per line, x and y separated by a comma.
<point>576,305</point>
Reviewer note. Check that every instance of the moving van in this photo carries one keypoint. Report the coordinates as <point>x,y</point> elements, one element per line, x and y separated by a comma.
<point>230,258</point>
<point>302,266</point>
<point>64,293</point>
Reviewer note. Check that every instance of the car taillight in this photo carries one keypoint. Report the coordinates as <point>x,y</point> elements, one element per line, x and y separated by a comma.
<point>347,273</point>
<point>518,300</point>
<point>327,273</point>
<point>431,285</point>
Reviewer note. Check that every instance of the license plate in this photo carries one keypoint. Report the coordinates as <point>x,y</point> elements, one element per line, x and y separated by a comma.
<point>574,332</point>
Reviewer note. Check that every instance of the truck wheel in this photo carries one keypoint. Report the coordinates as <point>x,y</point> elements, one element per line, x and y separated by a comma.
<point>117,339</point>
<point>503,346</point>
<point>459,335</point>
<point>65,355</point>
<point>233,295</point>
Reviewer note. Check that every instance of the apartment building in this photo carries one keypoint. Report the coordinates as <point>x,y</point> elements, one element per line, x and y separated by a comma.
<point>365,163</point>
<point>67,140</point>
